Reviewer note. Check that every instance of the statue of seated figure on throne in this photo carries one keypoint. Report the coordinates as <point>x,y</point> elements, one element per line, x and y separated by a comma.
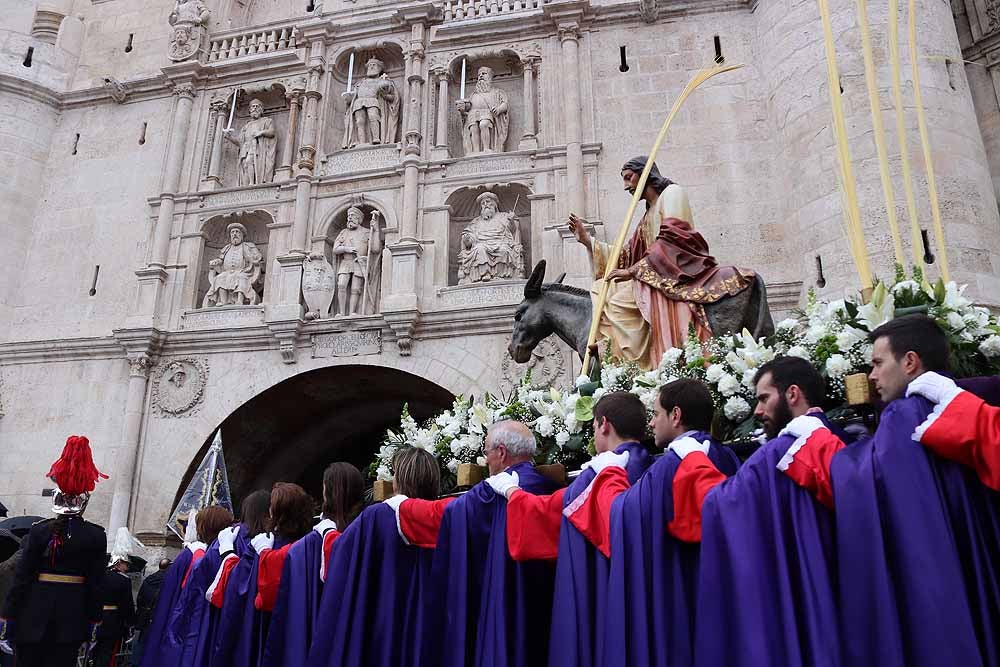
<point>235,272</point>
<point>491,246</point>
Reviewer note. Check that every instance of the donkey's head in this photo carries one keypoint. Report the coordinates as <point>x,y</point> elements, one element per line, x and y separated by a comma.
<point>532,321</point>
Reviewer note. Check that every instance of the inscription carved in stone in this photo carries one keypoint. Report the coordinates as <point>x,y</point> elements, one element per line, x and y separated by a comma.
<point>498,164</point>
<point>179,387</point>
<point>347,343</point>
<point>497,293</point>
<point>223,317</point>
<point>381,157</point>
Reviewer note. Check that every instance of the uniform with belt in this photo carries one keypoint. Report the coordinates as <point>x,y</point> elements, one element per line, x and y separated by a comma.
<point>118,617</point>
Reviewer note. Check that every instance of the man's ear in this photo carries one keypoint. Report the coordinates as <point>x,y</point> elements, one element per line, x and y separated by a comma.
<point>793,395</point>
<point>676,417</point>
<point>912,364</point>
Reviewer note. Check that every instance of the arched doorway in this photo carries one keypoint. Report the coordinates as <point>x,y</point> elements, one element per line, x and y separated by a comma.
<point>293,430</point>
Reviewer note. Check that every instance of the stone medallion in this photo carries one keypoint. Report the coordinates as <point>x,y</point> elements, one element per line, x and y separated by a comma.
<point>546,365</point>
<point>179,386</point>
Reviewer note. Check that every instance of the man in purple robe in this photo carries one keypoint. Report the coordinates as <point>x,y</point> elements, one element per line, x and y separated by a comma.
<point>921,534</point>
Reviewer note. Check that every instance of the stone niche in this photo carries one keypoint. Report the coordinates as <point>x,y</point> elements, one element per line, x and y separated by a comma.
<point>391,55</point>
<point>464,208</point>
<point>372,300</point>
<point>217,237</point>
<point>508,76</point>
<point>276,107</point>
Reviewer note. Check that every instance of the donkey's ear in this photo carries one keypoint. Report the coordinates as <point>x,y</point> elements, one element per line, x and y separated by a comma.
<point>559,280</point>
<point>533,288</point>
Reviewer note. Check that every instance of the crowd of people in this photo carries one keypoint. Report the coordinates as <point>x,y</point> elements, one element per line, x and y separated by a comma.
<point>822,548</point>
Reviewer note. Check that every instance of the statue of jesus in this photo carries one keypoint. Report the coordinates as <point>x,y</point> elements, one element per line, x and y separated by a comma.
<point>664,277</point>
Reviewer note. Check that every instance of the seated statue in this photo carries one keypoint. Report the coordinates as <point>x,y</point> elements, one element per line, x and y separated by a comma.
<point>491,245</point>
<point>233,274</point>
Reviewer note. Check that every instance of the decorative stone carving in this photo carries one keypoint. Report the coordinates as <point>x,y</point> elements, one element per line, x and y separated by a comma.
<point>184,90</point>
<point>491,245</point>
<point>347,343</point>
<point>485,116</point>
<point>319,284</point>
<point>139,365</point>
<point>258,143</point>
<point>648,10</point>
<point>179,386</point>
<point>116,89</point>
<point>189,20</point>
<point>546,364</point>
<point>372,115</point>
<point>235,272</point>
<point>361,159</point>
<point>357,251</point>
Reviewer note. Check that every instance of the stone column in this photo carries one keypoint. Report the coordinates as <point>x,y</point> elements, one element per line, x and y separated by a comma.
<point>441,131</point>
<point>139,366</point>
<point>219,109</point>
<point>306,163</point>
<point>529,140</point>
<point>411,151</point>
<point>569,38</point>
<point>172,171</point>
<point>288,148</point>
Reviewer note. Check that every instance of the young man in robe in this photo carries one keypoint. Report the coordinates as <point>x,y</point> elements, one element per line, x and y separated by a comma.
<point>649,590</point>
<point>921,533</point>
<point>665,274</point>
<point>369,610</point>
<point>537,529</point>
<point>468,607</point>
<point>293,618</point>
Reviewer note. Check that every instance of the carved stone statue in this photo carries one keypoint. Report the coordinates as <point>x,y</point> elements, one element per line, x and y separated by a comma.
<point>486,119</point>
<point>372,108</point>
<point>233,274</point>
<point>189,19</point>
<point>319,285</point>
<point>258,142</point>
<point>357,251</point>
<point>491,245</point>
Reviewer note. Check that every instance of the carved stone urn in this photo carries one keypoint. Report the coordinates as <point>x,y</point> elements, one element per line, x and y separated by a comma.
<point>319,284</point>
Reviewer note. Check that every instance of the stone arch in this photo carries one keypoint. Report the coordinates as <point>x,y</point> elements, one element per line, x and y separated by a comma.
<point>293,429</point>
<point>463,208</point>
<point>215,235</point>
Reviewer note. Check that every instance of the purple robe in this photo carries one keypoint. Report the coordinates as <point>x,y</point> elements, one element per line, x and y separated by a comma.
<point>922,539</point>
<point>581,584</point>
<point>369,609</point>
<point>767,582</point>
<point>158,651</point>
<point>651,588</point>
<point>295,611</point>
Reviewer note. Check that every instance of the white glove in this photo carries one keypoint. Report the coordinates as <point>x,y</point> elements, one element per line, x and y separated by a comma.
<point>262,542</point>
<point>934,387</point>
<point>395,501</point>
<point>325,525</point>
<point>608,459</point>
<point>503,482</point>
<point>227,539</point>
<point>6,647</point>
<point>802,426</point>
<point>194,546</point>
<point>686,445</point>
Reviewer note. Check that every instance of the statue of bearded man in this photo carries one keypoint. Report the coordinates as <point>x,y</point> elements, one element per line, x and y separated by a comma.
<point>486,120</point>
<point>258,142</point>
<point>234,272</point>
<point>491,245</point>
<point>372,108</point>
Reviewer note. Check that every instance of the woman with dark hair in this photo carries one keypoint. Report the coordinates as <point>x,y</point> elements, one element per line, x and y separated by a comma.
<point>374,580</point>
<point>246,613</point>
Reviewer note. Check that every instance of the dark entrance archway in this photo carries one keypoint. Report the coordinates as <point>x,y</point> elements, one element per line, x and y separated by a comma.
<point>293,430</point>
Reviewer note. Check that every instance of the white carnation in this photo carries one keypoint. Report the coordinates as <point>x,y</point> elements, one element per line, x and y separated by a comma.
<point>991,346</point>
<point>382,474</point>
<point>453,465</point>
<point>481,461</point>
<point>911,285</point>
<point>562,437</point>
<point>798,351</point>
<point>814,333</point>
<point>748,376</point>
<point>581,380</point>
<point>714,373</point>
<point>424,439</point>
<point>955,322</point>
<point>544,426</point>
<point>736,409</point>
<point>849,337</point>
<point>787,324</point>
<point>671,357</point>
<point>728,385</point>
<point>838,365</point>
<point>600,391</point>
<point>456,447</point>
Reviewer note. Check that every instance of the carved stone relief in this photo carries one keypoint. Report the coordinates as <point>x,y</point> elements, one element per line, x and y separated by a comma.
<point>490,247</point>
<point>258,145</point>
<point>372,115</point>
<point>547,366</point>
<point>179,387</point>
<point>319,285</point>
<point>236,273</point>
<point>116,89</point>
<point>189,20</point>
<point>485,116</point>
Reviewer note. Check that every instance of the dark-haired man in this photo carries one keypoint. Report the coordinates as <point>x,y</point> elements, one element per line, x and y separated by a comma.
<point>915,527</point>
<point>645,531</point>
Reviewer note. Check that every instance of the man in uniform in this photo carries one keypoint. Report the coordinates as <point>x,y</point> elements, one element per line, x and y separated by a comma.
<point>118,607</point>
<point>54,605</point>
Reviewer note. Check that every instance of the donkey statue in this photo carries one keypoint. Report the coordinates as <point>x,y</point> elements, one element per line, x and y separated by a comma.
<point>567,312</point>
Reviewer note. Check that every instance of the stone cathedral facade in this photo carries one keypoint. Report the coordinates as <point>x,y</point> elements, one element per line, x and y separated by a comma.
<point>287,218</point>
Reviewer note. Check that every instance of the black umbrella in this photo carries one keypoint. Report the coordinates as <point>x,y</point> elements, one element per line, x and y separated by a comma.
<point>9,544</point>
<point>3,510</point>
<point>20,525</point>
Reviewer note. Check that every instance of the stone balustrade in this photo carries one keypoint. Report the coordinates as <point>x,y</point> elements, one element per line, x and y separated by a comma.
<point>459,10</point>
<point>260,40</point>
